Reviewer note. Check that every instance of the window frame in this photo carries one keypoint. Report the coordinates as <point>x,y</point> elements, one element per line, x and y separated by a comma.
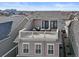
<point>44,24</point>
<point>40,48</point>
<point>54,25</point>
<point>28,48</point>
<point>51,24</point>
<point>48,48</point>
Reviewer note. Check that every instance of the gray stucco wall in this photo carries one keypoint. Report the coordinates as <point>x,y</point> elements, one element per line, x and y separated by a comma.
<point>44,49</point>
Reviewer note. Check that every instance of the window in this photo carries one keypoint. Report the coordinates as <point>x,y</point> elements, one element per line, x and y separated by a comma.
<point>49,24</point>
<point>53,24</point>
<point>45,24</point>
<point>25,47</point>
<point>50,48</point>
<point>38,48</point>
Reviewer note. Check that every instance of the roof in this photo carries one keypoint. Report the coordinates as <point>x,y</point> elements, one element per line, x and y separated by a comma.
<point>17,39</point>
<point>3,19</point>
<point>75,30</point>
<point>5,29</point>
<point>68,23</point>
<point>50,15</point>
<point>15,18</point>
<point>8,24</point>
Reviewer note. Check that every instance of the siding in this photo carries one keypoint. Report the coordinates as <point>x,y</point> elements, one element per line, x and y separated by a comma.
<point>44,49</point>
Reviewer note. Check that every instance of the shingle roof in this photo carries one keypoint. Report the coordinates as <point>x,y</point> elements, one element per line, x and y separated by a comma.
<point>51,14</point>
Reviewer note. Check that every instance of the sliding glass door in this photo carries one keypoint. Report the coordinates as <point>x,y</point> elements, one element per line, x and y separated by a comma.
<point>53,24</point>
<point>45,24</point>
<point>49,24</point>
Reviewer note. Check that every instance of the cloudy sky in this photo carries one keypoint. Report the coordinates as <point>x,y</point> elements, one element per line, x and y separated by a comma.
<point>40,6</point>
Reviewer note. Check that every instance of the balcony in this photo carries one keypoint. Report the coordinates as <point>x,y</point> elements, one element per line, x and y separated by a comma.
<point>53,35</point>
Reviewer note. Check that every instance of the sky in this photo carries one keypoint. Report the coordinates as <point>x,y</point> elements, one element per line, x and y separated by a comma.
<point>41,6</point>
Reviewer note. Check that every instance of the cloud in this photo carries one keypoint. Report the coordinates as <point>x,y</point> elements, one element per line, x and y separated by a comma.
<point>66,6</point>
<point>39,6</point>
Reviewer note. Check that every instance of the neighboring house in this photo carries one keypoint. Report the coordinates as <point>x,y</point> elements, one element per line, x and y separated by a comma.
<point>42,34</point>
<point>73,33</point>
<point>9,29</point>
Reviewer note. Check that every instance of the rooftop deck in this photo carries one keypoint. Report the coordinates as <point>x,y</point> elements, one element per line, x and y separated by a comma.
<point>38,34</point>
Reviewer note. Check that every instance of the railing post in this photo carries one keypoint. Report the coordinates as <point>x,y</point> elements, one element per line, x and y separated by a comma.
<point>20,34</point>
<point>44,34</point>
<point>57,33</point>
<point>32,34</point>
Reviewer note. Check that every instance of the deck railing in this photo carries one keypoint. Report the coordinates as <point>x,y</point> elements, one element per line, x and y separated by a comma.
<point>38,34</point>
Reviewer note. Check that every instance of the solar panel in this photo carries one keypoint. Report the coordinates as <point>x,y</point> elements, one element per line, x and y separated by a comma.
<point>5,28</point>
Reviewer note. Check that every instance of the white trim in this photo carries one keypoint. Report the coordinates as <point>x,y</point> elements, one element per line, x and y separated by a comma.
<point>49,24</point>
<point>47,48</point>
<point>41,24</point>
<point>28,48</point>
<point>35,48</point>
<point>56,24</point>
